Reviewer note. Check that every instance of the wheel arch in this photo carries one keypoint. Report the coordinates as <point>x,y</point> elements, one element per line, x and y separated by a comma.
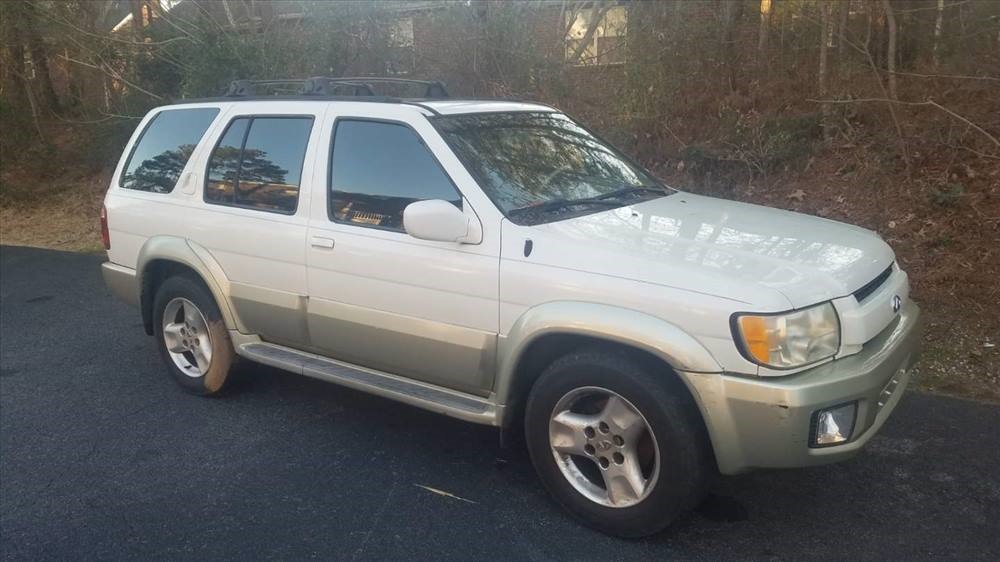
<point>548,331</point>
<point>164,256</point>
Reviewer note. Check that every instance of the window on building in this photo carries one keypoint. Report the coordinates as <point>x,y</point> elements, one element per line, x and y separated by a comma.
<point>258,164</point>
<point>591,42</point>
<point>377,169</point>
<point>401,53</point>
<point>164,147</point>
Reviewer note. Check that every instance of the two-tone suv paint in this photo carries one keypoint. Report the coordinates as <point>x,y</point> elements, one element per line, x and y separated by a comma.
<point>496,262</point>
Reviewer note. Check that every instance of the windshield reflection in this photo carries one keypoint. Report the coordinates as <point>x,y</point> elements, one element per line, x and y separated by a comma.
<point>526,159</point>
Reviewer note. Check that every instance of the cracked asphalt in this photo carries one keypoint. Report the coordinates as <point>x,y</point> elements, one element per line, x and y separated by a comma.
<point>102,457</point>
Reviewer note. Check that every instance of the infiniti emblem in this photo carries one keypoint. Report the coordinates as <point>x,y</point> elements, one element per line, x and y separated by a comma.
<point>897,303</point>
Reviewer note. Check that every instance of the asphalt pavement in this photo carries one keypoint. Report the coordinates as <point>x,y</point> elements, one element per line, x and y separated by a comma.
<point>103,457</point>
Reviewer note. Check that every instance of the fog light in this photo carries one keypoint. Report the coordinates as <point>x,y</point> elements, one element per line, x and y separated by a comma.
<point>833,426</point>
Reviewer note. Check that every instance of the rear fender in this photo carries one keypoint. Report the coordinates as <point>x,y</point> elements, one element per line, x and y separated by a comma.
<point>195,257</point>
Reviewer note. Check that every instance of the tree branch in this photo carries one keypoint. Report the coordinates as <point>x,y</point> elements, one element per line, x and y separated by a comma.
<point>928,102</point>
<point>103,67</point>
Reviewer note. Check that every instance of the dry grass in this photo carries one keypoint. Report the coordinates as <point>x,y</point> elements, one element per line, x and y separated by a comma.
<point>63,219</point>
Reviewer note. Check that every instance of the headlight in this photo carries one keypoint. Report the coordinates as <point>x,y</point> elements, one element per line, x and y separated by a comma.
<point>788,340</point>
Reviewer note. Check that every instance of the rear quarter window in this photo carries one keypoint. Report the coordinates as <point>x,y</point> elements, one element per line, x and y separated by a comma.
<point>164,148</point>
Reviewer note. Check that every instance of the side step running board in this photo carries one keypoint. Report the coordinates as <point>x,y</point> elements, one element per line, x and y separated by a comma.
<point>444,401</point>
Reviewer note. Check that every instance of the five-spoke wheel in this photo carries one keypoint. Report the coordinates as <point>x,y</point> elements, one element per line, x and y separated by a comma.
<point>603,446</point>
<point>185,333</point>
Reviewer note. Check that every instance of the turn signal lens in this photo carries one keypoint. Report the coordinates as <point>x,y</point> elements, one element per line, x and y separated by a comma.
<point>794,339</point>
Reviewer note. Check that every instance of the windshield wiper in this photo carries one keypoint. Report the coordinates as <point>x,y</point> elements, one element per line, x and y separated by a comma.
<point>631,190</point>
<point>609,199</point>
<point>554,204</point>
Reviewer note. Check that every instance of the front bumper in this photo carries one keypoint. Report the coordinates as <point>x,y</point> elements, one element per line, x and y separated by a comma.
<point>765,423</point>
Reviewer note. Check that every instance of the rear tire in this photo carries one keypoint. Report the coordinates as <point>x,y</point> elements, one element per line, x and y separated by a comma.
<point>191,336</point>
<point>617,444</point>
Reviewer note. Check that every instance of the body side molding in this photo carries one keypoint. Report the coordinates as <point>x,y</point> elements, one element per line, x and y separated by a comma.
<point>423,395</point>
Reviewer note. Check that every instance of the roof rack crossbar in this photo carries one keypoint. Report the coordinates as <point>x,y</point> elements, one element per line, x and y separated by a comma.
<point>321,84</point>
<point>241,88</point>
<point>324,86</point>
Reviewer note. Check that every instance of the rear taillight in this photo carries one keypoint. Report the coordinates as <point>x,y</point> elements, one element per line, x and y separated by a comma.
<point>105,235</point>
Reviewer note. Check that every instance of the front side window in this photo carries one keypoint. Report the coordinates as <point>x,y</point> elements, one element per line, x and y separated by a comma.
<point>377,169</point>
<point>164,147</point>
<point>258,164</point>
<point>538,167</point>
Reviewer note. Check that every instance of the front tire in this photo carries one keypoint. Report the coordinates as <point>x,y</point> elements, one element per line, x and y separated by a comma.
<point>191,336</point>
<point>617,444</point>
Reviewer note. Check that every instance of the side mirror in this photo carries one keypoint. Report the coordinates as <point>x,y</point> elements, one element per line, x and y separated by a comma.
<point>439,220</point>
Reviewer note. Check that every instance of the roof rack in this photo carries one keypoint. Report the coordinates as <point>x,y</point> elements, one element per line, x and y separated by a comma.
<point>324,86</point>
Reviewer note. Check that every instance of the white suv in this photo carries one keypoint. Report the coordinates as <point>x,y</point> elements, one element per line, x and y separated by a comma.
<point>496,262</point>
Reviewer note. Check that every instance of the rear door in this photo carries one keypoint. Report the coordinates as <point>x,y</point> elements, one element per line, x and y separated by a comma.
<point>255,185</point>
<point>377,296</point>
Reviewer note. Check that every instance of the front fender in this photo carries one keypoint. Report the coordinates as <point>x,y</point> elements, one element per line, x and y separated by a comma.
<point>629,327</point>
<point>194,256</point>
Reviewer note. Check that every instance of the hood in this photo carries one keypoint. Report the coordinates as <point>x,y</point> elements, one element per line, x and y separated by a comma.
<point>748,253</point>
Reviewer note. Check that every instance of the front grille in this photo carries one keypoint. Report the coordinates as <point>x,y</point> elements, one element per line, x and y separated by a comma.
<point>873,285</point>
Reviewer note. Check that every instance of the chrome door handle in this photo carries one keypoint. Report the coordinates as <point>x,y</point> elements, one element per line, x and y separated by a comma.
<point>321,242</point>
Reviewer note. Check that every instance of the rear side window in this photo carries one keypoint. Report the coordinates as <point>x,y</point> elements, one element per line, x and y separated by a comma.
<point>377,169</point>
<point>258,164</point>
<point>164,148</point>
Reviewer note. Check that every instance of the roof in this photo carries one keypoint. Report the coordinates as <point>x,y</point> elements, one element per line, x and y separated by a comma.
<point>458,106</point>
<point>447,106</point>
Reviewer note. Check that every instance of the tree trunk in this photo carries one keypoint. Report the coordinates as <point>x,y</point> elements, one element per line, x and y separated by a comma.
<point>938,25</point>
<point>138,24</point>
<point>824,49</point>
<point>731,14</point>
<point>890,55</point>
<point>765,29</point>
<point>12,62</point>
<point>843,69</point>
<point>40,59</point>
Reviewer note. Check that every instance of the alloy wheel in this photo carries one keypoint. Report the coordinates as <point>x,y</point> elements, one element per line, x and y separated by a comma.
<point>604,447</point>
<point>186,336</point>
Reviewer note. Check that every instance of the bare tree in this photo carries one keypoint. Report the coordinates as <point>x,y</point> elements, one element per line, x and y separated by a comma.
<point>938,24</point>
<point>824,48</point>
<point>765,29</point>
<point>39,57</point>
<point>890,55</point>
<point>843,9</point>
<point>731,14</point>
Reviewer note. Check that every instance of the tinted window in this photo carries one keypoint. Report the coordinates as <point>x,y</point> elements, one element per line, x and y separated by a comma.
<point>258,163</point>
<point>164,147</point>
<point>377,169</point>
<point>225,164</point>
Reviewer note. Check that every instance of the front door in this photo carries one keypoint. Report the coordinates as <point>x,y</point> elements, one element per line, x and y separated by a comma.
<point>379,297</point>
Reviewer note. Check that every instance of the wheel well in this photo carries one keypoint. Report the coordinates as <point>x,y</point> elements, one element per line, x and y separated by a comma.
<point>546,349</point>
<point>153,275</point>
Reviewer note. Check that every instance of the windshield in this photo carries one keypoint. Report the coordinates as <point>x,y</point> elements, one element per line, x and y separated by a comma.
<point>539,167</point>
